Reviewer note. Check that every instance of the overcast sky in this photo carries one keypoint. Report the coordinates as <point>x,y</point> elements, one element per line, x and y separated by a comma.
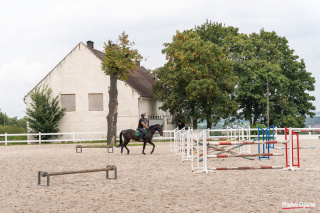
<point>36,35</point>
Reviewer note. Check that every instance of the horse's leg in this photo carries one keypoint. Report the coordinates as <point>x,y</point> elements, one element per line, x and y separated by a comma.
<point>125,145</point>
<point>150,142</point>
<point>144,146</point>
<point>122,145</point>
<point>126,141</point>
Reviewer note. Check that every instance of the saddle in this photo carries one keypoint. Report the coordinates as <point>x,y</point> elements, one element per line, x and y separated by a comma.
<point>137,133</point>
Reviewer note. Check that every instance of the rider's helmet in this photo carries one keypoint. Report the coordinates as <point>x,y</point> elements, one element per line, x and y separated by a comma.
<point>142,115</point>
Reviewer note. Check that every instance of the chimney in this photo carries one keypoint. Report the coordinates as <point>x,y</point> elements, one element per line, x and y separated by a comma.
<point>138,63</point>
<point>90,44</point>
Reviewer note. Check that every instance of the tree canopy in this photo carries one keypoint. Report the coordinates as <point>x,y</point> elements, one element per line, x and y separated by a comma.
<point>192,83</point>
<point>196,81</point>
<point>265,58</point>
<point>119,58</point>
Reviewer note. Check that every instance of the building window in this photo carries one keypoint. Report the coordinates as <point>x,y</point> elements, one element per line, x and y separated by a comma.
<point>68,101</point>
<point>95,101</point>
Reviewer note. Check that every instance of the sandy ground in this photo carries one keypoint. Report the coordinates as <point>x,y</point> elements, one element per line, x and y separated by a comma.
<point>160,182</point>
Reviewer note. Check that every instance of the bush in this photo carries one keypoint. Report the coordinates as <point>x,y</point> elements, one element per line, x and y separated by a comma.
<point>45,113</point>
<point>216,133</point>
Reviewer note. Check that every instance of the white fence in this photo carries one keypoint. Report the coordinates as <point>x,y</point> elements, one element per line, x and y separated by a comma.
<point>72,137</point>
<point>180,140</point>
<point>304,133</point>
<point>308,133</point>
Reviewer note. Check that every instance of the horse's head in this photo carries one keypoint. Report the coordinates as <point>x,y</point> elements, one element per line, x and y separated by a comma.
<point>156,128</point>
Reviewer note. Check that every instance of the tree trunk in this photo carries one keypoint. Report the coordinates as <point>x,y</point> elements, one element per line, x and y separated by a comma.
<point>113,109</point>
<point>255,120</point>
<point>209,124</point>
<point>194,123</point>
<point>194,119</point>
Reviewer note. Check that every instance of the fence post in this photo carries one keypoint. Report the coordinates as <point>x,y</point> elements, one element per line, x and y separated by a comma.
<point>204,156</point>
<point>227,132</point>
<point>5,139</point>
<point>309,130</point>
<point>39,137</point>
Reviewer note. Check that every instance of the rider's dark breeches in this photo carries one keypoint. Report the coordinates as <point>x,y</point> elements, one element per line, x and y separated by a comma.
<point>141,130</point>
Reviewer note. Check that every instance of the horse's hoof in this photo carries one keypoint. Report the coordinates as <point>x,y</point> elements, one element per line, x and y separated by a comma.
<point>144,153</point>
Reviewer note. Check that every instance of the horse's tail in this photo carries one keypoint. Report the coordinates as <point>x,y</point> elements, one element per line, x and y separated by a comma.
<point>120,138</point>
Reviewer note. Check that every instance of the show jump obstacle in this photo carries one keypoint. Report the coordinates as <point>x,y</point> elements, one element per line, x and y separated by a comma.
<point>49,174</point>
<point>207,145</point>
<point>80,147</point>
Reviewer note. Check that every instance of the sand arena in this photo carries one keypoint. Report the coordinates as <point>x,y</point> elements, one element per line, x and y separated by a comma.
<point>152,183</point>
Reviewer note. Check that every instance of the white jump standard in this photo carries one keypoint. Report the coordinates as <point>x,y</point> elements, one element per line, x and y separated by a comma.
<point>48,174</point>
<point>289,157</point>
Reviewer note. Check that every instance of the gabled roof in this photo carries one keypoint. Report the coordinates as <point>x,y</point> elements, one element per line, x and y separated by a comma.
<point>140,80</point>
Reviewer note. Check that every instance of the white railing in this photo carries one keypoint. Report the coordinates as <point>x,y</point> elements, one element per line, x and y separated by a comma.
<point>239,134</point>
<point>71,137</point>
<point>167,135</point>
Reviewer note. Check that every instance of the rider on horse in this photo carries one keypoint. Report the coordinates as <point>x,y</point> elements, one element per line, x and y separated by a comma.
<point>142,125</point>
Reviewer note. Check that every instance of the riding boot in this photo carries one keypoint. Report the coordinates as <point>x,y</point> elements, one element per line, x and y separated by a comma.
<point>141,137</point>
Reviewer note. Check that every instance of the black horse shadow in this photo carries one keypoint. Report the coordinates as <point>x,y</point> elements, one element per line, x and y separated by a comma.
<point>129,134</point>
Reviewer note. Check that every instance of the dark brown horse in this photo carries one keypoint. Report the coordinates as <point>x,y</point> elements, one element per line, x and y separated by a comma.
<point>129,134</point>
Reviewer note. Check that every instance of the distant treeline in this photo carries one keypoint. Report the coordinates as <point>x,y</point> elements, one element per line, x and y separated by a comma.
<point>313,122</point>
<point>12,125</point>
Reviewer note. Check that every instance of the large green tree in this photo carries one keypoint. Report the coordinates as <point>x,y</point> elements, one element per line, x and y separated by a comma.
<point>119,59</point>
<point>265,60</point>
<point>260,60</point>
<point>45,112</point>
<point>196,81</point>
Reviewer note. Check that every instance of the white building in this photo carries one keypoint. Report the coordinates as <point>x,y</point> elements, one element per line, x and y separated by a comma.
<point>83,90</point>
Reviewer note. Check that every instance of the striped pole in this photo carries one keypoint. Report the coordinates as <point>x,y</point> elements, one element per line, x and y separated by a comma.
<point>300,147</point>
<point>245,155</point>
<point>225,150</point>
<point>246,142</point>
<point>247,167</point>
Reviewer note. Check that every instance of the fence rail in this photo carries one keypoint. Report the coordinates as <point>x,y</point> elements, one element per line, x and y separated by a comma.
<point>307,133</point>
<point>70,137</point>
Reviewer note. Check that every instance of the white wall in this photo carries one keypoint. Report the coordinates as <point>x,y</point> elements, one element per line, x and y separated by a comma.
<point>80,74</point>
